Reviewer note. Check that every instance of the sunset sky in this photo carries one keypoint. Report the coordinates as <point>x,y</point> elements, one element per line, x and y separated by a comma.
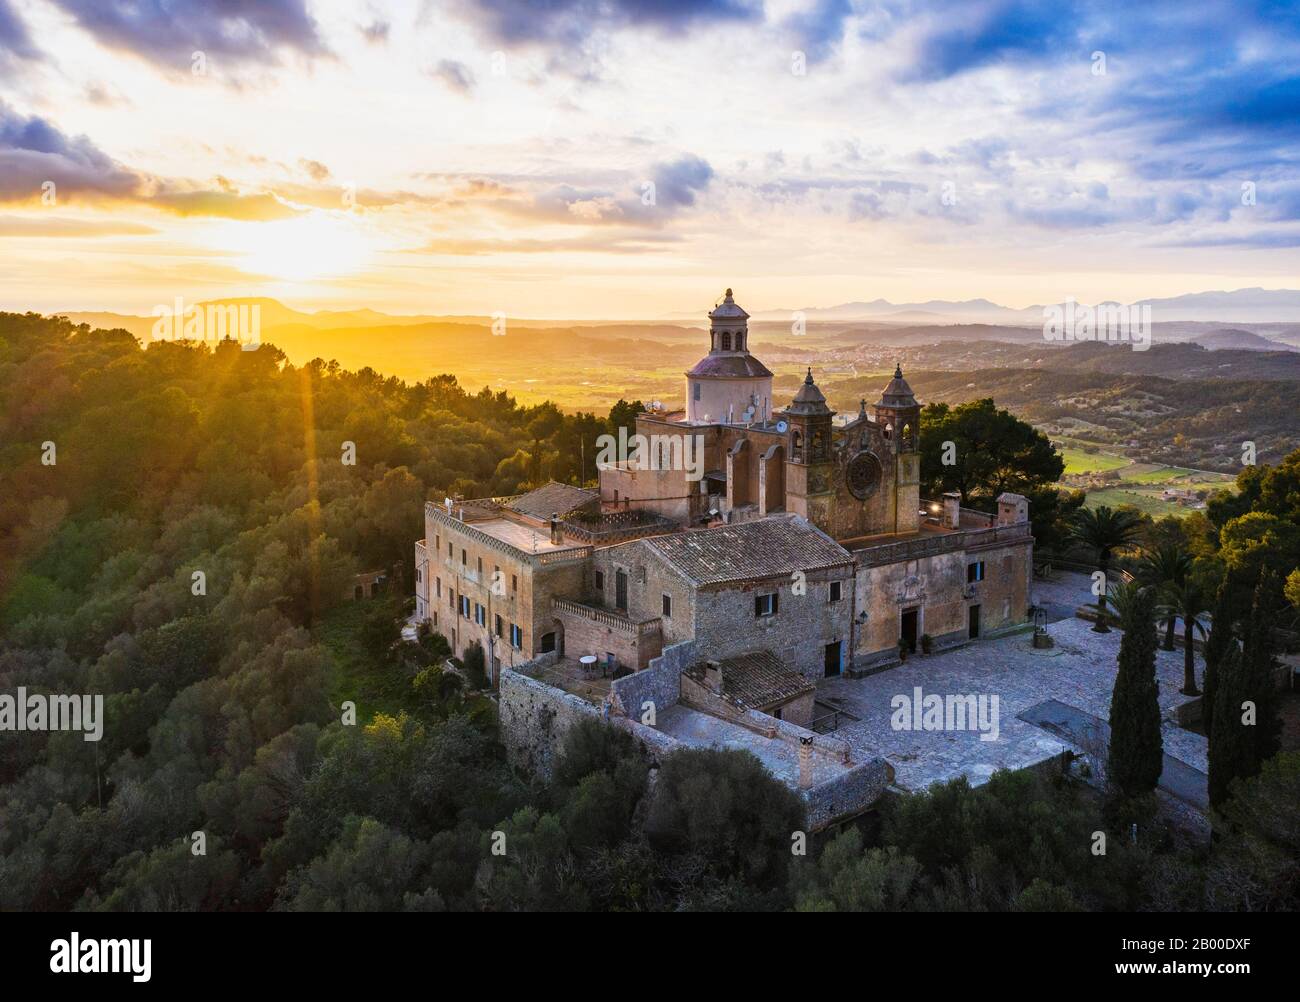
<point>469,158</point>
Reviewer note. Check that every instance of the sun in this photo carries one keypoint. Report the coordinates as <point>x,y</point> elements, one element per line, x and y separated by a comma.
<point>317,245</point>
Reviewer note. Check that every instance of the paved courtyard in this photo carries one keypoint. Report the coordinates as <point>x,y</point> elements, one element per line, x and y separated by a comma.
<point>1078,672</point>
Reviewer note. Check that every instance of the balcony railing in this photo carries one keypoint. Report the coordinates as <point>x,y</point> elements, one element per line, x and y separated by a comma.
<point>644,629</point>
<point>948,542</point>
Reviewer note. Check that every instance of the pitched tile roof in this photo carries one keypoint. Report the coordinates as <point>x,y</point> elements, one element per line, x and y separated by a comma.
<point>756,680</point>
<point>553,499</point>
<point>765,547</point>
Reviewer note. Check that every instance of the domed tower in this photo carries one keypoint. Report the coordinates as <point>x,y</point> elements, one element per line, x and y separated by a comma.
<point>728,385</point>
<point>808,479</point>
<point>900,415</point>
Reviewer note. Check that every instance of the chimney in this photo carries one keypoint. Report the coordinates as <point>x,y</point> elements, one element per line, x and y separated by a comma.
<point>557,537</point>
<point>1012,509</point>
<point>805,762</point>
<point>713,676</point>
<point>952,510</point>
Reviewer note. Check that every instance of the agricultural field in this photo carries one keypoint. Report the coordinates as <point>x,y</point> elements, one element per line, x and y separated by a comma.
<point>1079,461</point>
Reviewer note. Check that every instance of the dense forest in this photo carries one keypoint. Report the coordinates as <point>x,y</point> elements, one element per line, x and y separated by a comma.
<point>178,530</point>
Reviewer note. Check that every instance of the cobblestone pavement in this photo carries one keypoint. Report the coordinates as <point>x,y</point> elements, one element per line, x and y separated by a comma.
<point>1079,671</point>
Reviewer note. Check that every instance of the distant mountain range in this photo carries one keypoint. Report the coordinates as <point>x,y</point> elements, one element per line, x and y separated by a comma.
<point>1254,305</point>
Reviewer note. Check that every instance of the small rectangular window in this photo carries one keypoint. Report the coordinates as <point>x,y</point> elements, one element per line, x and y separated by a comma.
<point>600,581</point>
<point>764,605</point>
<point>514,582</point>
<point>438,584</point>
<point>975,571</point>
<point>835,591</point>
<point>516,637</point>
<point>499,631</point>
<point>668,606</point>
<point>463,557</point>
<point>695,389</point>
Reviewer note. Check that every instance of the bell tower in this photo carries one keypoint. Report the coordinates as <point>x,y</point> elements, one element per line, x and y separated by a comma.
<point>808,477</point>
<point>728,385</point>
<point>900,415</point>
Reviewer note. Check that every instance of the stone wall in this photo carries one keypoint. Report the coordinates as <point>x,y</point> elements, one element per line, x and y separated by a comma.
<point>725,624</point>
<point>535,717</point>
<point>659,684</point>
<point>848,794</point>
<point>596,631</point>
<point>936,585</point>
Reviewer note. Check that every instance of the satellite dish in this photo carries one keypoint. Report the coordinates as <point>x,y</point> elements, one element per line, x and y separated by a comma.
<point>782,427</point>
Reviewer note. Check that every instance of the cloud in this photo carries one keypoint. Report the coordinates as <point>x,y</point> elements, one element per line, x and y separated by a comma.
<point>955,36</point>
<point>54,226</point>
<point>621,244</point>
<point>456,76</point>
<point>33,151</point>
<point>315,169</point>
<point>376,32</point>
<point>15,43</point>
<point>819,28</point>
<point>572,22</point>
<point>262,206</point>
<point>167,32</point>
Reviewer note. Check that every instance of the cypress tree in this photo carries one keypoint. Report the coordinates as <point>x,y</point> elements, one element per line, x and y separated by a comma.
<point>1220,639</point>
<point>1136,751</point>
<point>1257,669</point>
<point>1232,742</point>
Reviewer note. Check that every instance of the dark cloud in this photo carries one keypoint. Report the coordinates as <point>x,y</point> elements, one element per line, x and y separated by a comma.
<point>167,32</point>
<point>15,43</point>
<point>457,76</point>
<point>818,29</point>
<point>572,22</point>
<point>679,181</point>
<point>961,35</point>
<point>34,151</point>
<point>662,192</point>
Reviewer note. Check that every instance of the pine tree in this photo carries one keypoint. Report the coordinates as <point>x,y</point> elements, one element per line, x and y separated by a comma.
<point>1216,644</point>
<point>1257,668</point>
<point>1136,749</point>
<point>1232,742</point>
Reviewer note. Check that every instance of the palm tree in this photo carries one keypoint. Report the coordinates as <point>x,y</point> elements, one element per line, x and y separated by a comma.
<point>1126,598</point>
<point>1104,530</point>
<point>1168,563</point>
<point>1187,601</point>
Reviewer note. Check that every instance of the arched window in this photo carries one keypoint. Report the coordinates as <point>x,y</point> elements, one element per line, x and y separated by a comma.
<point>740,341</point>
<point>889,431</point>
<point>726,342</point>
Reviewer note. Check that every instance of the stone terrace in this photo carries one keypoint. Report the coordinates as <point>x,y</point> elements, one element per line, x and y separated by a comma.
<point>1078,671</point>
